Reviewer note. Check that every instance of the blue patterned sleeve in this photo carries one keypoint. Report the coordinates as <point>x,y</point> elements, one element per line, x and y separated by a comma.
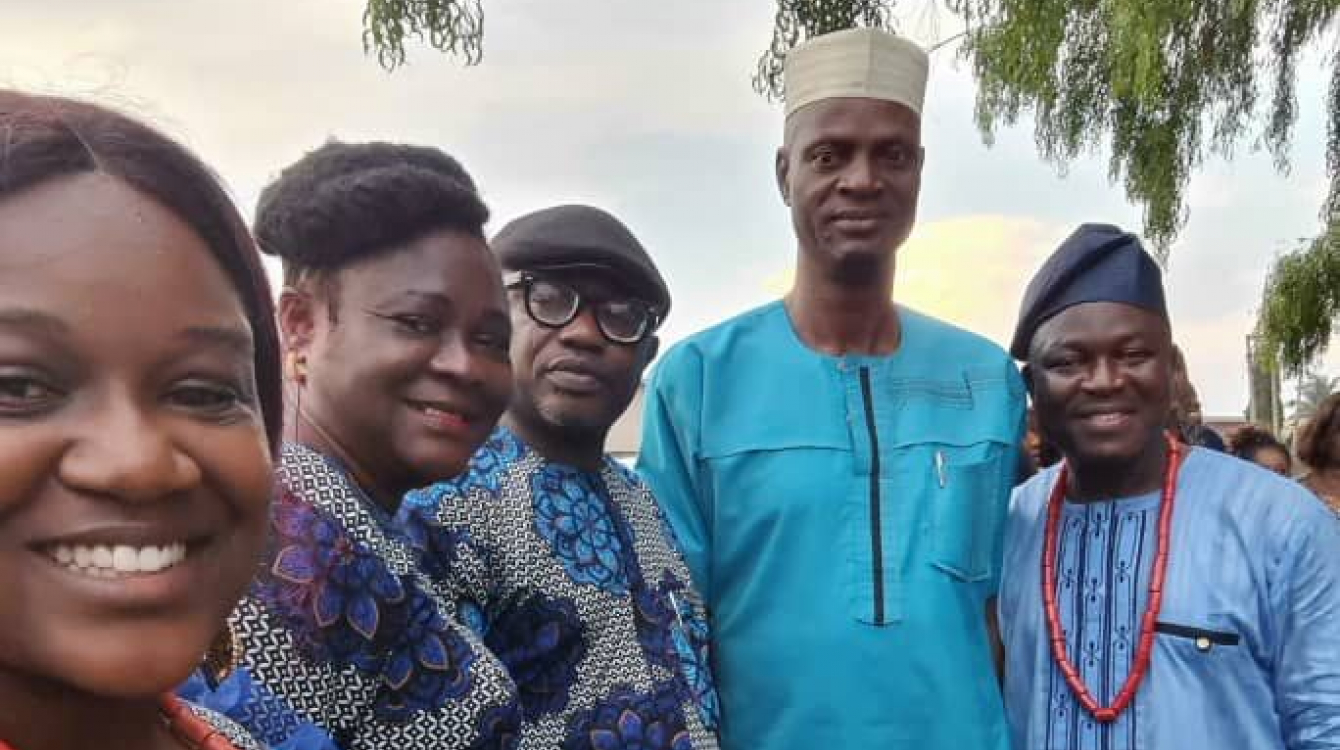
<point>1307,672</point>
<point>239,702</point>
<point>449,527</point>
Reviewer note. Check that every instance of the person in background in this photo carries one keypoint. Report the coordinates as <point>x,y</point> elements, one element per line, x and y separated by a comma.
<point>1256,444</point>
<point>573,577</point>
<point>1187,421</point>
<point>1038,453</point>
<point>396,332</point>
<point>1318,446</point>
<point>1155,595</point>
<point>836,465</point>
<point>140,408</point>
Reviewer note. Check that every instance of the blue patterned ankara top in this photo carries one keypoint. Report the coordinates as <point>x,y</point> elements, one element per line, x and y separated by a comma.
<point>574,580</point>
<point>347,643</point>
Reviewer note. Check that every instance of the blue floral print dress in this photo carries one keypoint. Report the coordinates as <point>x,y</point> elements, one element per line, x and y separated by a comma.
<point>346,642</point>
<point>574,580</point>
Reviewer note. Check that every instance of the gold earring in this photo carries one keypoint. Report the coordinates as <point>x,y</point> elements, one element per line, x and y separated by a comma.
<point>224,653</point>
<point>297,368</point>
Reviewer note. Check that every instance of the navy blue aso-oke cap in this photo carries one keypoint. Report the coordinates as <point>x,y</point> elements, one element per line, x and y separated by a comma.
<point>1097,263</point>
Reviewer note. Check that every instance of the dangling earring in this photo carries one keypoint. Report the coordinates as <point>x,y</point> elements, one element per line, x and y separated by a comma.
<point>295,371</point>
<point>224,653</point>
<point>297,368</point>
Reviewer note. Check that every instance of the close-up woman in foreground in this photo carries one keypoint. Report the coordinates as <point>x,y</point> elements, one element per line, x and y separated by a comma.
<point>140,405</point>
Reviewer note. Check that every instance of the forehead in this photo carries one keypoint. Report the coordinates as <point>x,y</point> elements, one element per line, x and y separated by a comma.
<point>445,262</point>
<point>80,247</point>
<point>1095,325</point>
<point>852,119</point>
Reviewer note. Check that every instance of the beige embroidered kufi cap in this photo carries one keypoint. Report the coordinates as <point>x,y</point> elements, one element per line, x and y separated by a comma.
<point>863,63</point>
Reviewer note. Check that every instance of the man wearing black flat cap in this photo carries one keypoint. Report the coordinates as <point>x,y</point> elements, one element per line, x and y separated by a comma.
<point>1154,595</point>
<point>560,556</point>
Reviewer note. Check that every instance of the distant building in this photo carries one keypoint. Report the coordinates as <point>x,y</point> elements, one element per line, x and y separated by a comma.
<point>1224,425</point>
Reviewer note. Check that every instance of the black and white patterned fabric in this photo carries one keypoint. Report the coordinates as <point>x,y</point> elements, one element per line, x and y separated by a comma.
<point>346,643</point>
<point>239,737</point>
<point>575,581</point>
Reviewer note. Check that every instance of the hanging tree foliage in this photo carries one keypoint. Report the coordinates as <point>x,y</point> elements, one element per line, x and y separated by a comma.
<point>1160,83</point>
<point>1302,303</point>
<point>452,26</point>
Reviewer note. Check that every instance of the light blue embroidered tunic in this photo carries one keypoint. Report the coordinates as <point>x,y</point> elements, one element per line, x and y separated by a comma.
<point>1247,653</point>
<point>842,517</point>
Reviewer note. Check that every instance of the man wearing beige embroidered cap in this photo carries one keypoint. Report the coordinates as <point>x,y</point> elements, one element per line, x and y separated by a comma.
<point>836,465</point>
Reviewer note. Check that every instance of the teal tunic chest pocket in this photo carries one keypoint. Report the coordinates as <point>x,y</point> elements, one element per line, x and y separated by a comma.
<point>967,503</point>
<point>930,491</point>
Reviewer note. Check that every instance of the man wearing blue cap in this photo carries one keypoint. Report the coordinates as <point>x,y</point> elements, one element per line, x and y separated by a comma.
<point>837,465</point>
<point>1154,595</point>
<point>560,557</point>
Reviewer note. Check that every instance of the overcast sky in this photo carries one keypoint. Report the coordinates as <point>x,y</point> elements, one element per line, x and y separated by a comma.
<point>645,109</point>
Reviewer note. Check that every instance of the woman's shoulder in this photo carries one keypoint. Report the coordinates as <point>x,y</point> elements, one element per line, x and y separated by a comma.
<point>230,730</point>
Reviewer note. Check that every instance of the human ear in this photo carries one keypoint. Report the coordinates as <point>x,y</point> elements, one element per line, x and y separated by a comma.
<point>783,171</point>
<point>297,319</point>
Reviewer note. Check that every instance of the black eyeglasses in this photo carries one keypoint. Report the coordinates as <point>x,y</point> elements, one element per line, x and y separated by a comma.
<point>553,304</point>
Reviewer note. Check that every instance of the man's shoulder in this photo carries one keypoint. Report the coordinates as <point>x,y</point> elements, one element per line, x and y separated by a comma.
<point>625,475</point>
<point>754,322</point>
<point>1029,498</point>
<point>734,340</point>
<point>937,350</point>
<point>951,341</point>
<point>1249,493</point>
<point>484,476</point>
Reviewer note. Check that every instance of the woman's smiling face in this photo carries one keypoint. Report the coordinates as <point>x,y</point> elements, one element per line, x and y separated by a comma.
<point>137,476</point>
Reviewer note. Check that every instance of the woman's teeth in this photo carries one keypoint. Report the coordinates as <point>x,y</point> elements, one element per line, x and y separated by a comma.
<point>102,561</point>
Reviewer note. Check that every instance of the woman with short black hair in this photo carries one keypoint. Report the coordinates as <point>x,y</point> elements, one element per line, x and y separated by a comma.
<point>396,334</point>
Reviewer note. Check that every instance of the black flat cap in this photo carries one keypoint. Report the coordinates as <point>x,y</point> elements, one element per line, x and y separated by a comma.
<point>575,237</point>
<point>1096,263</point>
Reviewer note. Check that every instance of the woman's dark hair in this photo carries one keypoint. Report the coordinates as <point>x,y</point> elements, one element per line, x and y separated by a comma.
<point>44,138</point>
<point>1315,436</point>
<point>345,202</point>
<point>1249,439</point>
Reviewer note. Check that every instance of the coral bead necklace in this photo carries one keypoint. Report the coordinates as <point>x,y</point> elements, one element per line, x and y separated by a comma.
<point>1148,623</point>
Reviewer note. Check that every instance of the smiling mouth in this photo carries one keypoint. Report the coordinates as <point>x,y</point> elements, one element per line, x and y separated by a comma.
<point>439,411</point>
<point>117,561</point>
<point>1107,418</point>
<point>441,415</point>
